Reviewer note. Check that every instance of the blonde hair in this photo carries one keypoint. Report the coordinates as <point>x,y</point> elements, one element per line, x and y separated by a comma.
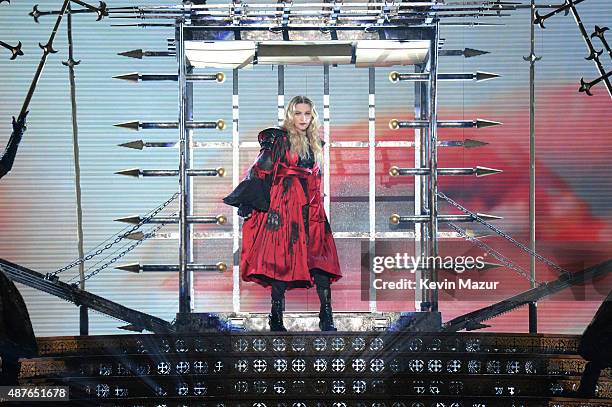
<point>299,144</point>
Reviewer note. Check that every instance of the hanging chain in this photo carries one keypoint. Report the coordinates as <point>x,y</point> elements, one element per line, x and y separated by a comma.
<point>117,239</point>
<point>125,251</point>
<point>503,234</point>
<point>503,259</point>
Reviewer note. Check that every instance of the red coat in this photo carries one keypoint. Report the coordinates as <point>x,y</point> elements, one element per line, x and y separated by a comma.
<point>280,243</point>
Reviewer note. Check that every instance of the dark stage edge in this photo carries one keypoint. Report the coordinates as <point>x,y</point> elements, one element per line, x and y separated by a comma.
<point>316,369</point>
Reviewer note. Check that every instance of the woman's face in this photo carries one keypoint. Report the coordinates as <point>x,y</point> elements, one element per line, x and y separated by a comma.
<point>302,116</point>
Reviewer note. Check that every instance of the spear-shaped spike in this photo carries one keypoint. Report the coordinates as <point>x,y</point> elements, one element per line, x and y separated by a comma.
<point>131,328</point>
<point>467,52</point>
<point>484,171</point>
<point>15,51</point>
<point>132,172</point>
<point>135,125</point>
<point>480,123</point>
<point>470,52</point>
<point>137,144</point>
<point>131,267</point>
<point>485,76</point>
<point>132,77</point>
<point>486,216</point>
<point>134,220</point>
<point>136,53</point>
<point>139,54</point>
<point>469,143</point>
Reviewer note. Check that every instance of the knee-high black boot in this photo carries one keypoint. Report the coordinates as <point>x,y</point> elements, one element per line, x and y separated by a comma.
<point>278,305</point>
<point>322,281</point>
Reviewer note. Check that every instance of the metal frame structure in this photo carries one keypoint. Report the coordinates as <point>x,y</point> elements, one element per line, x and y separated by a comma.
<point>426,142</point>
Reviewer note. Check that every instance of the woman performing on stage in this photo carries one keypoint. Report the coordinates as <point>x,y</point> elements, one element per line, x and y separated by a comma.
<point>287,241</point>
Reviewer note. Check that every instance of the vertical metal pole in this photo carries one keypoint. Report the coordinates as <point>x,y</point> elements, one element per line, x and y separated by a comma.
<point>372,174</point>
<point>235,181</point>
<point>185,275</point>
<point>70,63</point>
<point>433,158</point>
<point>420,183</point>
<point>281,94</point>
<point>326,124</point>
<point>533,316</point>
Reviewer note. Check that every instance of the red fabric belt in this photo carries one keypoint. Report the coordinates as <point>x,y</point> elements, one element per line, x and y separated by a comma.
<point>293,171</point>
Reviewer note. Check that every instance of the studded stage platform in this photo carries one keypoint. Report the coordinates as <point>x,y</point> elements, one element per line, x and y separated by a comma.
<point>316,369</point>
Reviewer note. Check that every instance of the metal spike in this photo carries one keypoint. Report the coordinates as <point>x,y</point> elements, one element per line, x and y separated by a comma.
<point>469,143</point>
<point>139,54</point>
<point>136,145</point>
<point>136,53</point>
<point>485,76</point>
<point>484,171</point>
<point>470,52</point>
<point>481,123</point>
<point>135,125</point>
<point>132,77</point>
<point>467,52</point>
<point>132,172</point>
<point>131,267</point>
<point>134,220</point>
<point>486,216</point>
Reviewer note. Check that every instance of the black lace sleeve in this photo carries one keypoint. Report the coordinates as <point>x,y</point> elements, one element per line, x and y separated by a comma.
<point>254,191</point>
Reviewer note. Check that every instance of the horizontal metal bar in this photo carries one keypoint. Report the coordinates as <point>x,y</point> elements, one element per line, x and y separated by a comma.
<point>337,235</point>
<point>137,267</point>
<point>396,219</point>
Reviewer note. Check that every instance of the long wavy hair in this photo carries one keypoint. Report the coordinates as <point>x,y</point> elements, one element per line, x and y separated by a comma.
<point>299,144</point>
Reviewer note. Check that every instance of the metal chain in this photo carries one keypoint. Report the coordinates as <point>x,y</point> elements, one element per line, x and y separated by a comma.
<point>124,252</point>
<point>505,261</point>
<point>503,234</point>
<point>117,239</point>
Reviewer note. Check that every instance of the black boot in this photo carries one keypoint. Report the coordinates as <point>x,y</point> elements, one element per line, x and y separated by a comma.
<point>326,320</point>
<point>276,316</point>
